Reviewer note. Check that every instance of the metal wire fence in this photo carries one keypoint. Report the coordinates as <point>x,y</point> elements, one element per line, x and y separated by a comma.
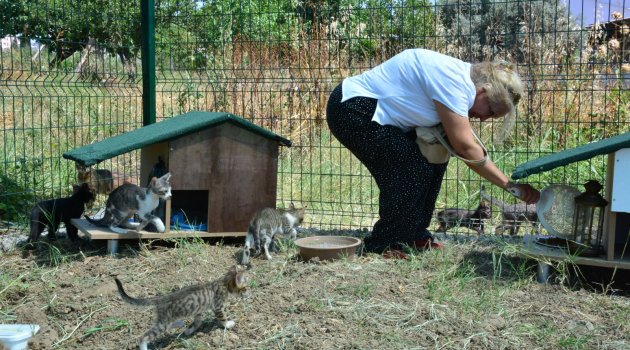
<point>71,75</point>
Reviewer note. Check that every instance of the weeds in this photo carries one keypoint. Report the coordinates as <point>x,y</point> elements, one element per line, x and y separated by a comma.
<point>576,343</point>
<point>107,325</point>
<point>79,322</point>
<point>466,295</point>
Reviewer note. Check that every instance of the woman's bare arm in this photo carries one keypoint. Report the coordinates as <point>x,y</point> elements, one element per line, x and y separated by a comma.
<point>460,136</point>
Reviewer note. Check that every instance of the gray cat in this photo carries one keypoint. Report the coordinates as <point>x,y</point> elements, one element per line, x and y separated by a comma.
<point>472,219</point>
<point>264,226</point>
<point>513,215</point>
<point>190,301</point>
<point>128,200</point>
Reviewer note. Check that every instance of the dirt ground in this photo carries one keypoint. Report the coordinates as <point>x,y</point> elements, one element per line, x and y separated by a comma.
<point>467,296</point>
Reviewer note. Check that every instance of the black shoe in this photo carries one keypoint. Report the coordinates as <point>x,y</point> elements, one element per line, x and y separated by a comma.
<point>371,245</point>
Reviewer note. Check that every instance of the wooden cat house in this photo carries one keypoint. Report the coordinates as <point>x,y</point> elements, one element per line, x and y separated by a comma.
<point>223,167</point>
<point>616,235</point>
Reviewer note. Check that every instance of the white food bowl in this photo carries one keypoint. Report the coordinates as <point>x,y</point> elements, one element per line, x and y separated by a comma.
<point>16,336</point>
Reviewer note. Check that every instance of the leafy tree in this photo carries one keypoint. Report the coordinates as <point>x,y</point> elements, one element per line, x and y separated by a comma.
<point>522,31</point>
<point>400,24</point>
<point>66,27</point>
<point>540,35</point>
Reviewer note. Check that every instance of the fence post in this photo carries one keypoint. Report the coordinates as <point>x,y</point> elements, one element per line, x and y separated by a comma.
<point>147,9</point>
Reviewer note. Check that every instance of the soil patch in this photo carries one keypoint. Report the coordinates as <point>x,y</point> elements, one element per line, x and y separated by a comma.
<point>470,295</point>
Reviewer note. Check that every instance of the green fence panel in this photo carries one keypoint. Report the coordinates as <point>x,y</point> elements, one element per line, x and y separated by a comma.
<point>71,75</point>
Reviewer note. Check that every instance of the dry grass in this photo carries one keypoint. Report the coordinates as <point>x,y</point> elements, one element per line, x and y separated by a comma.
<point>468,296</point>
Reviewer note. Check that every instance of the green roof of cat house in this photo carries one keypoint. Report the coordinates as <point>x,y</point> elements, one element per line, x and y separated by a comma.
<point>223,167</point>
<point>617,187</point>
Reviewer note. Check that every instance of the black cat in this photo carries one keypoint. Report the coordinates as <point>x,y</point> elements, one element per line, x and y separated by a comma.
<point>472,219</point>
<point>52,212</point>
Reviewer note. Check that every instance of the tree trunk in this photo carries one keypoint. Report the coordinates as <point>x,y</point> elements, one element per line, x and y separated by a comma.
<point>84,55</point>
<point>40,48</point>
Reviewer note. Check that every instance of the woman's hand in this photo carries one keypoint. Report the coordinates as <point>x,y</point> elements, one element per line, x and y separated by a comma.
<point>524,192</point>
<point>461,138</point>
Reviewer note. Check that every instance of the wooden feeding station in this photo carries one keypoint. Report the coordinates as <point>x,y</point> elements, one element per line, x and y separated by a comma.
<point>223,169</point>
<point>616,224</point>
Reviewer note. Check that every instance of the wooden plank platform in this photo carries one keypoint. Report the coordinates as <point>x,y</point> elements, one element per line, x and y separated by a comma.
<point>534,250</point>
<point>96,233</point>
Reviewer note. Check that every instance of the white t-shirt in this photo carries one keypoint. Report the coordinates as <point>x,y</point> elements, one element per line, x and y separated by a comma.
<point>406,85</point>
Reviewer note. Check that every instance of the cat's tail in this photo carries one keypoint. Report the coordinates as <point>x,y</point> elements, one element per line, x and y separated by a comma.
<point>492,200</point>
<point>103,222</point>
<point>130,300</point>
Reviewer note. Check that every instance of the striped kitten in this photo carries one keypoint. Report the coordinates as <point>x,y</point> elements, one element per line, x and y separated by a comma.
<point>264,226</point>
<point>513,215</point>
<point>192,301</point>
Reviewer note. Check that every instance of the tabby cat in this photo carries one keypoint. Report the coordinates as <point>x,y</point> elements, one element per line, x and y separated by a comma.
<point>264,226</point>
<point>513,215</point>
<point>127,200</point>
<point>190,301</point>
<point>102,181</point>
<point>52,212</point>
<point>472,219</point>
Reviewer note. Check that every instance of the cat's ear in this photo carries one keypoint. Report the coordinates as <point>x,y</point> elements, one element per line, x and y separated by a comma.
<point>166,176</point>
<point>77,188</point>
<point>291,206</point>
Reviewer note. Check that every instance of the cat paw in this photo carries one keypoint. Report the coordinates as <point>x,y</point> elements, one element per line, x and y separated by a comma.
<point>268,256</point>
<point>118,230</point>
<point>159,225</point>
<point>190,330</point>
<point>177,324</point>
<point>228,324</point>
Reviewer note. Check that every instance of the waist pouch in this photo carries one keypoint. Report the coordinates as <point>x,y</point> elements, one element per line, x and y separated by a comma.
<point>434,145</point>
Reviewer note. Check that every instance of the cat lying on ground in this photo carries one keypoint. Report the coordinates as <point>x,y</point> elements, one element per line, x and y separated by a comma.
<point>102,181</point>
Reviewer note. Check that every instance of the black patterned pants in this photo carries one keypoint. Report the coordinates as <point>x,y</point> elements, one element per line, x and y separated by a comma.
<point>408,184</point>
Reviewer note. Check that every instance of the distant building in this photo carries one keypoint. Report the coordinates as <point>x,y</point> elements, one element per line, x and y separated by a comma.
<point>9,42</point>
<point>610,42</point>
<point>593,11</point>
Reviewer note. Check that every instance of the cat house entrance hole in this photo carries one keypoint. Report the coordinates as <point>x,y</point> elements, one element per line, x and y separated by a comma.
<point>190,208</point>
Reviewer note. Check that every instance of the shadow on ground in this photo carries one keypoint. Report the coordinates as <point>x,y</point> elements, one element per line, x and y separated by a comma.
<point>493,265</point>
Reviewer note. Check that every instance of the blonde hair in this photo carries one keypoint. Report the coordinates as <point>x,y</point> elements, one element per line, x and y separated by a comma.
<point>503,86</point>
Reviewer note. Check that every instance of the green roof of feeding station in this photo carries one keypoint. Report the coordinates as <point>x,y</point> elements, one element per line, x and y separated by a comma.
<point>162,131</point>
<point>568,156</point>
